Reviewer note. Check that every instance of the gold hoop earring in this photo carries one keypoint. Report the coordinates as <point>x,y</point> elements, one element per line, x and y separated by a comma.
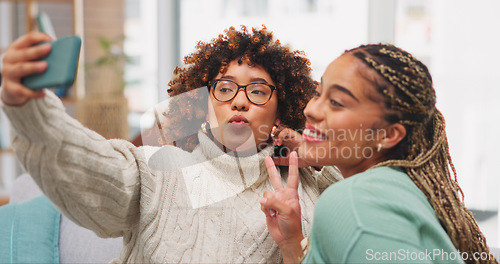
<point>379,147</point>
<point>274,131</point>
<point>205,126</point>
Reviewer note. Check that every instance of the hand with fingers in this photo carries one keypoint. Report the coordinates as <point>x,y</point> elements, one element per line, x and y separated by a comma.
<point>282,210</point>
<point>288,138</point>
<point>292,140</point>
<point>18,62</point>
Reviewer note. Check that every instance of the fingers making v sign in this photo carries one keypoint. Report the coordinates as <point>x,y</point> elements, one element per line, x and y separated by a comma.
<point>282,207</point>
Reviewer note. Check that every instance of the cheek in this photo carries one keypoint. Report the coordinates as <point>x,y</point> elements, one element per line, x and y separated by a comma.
<point>344,120</point>
<point>273,105</point>
<point>270,113</point>
<point>210,112</point>
<point>215,111</point>
<point>351,133</point>
<point>343,129</point>
<point>264,120</point>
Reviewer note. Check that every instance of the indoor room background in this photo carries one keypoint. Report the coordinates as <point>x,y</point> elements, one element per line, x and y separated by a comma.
<point>456,39</point>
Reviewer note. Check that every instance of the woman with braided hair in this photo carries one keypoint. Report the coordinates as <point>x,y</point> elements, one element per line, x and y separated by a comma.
<point>374,117</point>
<point>197,201</point>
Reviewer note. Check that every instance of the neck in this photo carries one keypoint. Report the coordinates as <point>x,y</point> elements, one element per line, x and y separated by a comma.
<point>349,170</point>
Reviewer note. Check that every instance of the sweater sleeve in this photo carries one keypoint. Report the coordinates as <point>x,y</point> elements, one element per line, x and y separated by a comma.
<point>328,176</point>
<point>93,181</point>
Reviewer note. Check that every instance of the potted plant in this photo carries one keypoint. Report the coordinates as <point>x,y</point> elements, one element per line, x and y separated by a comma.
<point>104,108</point>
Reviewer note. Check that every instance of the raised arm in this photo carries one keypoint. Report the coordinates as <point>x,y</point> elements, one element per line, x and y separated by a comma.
<point>95,182</point>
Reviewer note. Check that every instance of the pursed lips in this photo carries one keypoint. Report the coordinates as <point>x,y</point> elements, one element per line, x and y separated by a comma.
<point>238,121</point>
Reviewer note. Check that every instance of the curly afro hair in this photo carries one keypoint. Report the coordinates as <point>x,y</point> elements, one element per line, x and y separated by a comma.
<point>289,70</point>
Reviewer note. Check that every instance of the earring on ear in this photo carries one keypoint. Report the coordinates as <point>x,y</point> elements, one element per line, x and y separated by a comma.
<point>379,147</point>
<point>205,126</point>
<point>275,131</point>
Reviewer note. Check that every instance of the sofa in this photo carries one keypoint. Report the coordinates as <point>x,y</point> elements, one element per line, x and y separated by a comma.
<point>33,231</point>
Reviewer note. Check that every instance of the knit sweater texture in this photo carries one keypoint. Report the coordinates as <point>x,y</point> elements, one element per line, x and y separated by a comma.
<point>170,206</point>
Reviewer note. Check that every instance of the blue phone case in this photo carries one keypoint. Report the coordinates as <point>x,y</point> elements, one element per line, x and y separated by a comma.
<point>62,65</point>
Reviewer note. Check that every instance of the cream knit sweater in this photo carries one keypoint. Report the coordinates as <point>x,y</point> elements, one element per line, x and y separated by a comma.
<point>169,205</point>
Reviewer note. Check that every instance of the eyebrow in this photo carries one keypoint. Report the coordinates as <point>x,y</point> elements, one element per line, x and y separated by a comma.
<point>344,90</point>
<point>255,79</point>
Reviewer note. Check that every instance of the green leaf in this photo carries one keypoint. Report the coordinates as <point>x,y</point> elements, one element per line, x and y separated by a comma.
<point>105,43</point>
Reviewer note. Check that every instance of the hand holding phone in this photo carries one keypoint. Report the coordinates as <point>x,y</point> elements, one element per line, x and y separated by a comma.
<point>62,64</point>
<point>21,60</point>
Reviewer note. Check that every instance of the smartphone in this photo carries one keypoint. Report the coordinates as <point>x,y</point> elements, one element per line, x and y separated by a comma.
<point>45,25</point>
<point>281,151</point>
<point>62,65</point>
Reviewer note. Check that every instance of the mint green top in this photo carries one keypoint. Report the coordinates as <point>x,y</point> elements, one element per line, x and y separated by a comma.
<point>378,216</point>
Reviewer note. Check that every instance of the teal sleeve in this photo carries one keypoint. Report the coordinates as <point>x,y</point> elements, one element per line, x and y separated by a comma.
<point>372,248</point>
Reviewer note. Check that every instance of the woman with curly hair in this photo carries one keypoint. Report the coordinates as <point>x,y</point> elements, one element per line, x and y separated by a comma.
<point>197,201</point>
<point>288,71</point>
<point>400,201</point>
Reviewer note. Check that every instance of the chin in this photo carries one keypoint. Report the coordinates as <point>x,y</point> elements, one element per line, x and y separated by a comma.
<point>241,143</point>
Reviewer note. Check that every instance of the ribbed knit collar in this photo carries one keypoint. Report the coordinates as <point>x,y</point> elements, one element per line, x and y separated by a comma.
<point>253,167</point>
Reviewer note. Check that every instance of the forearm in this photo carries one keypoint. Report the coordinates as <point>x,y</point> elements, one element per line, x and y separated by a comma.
<point>92,181</point>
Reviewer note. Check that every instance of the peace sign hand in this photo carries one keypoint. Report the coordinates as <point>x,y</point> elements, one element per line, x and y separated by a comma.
<point>282,209</point>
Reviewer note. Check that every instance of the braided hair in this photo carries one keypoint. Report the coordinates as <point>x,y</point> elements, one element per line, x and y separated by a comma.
<point>289,70</point>
<point>409,99</point>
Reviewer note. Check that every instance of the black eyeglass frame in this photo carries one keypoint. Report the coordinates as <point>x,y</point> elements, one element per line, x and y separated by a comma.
<point>244,87</point>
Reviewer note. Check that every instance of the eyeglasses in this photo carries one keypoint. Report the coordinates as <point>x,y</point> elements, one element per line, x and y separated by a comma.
<point>225,90</point>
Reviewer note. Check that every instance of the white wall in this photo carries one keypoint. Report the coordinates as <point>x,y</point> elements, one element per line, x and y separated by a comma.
<point>465,66</point>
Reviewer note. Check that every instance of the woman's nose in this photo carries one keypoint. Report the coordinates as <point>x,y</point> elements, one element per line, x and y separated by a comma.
<point>240,101</point>
<point>313,111</point>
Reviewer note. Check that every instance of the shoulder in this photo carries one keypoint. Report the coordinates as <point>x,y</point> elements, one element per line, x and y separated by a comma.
<point>379,200</point>
<point>169,157</point>
<point>377,193</point>
<point>382,202</point>
<point>378,185</point>
<point>381,209</point>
